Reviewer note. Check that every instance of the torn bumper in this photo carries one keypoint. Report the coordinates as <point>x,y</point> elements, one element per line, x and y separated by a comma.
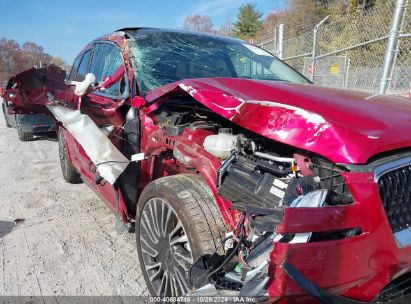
<point>313,290</point>
<point>326,297</point>
<point>355,268</point>
<point>352,268</point>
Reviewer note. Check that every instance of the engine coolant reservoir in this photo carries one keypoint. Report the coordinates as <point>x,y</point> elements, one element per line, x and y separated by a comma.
<point>222,144</point>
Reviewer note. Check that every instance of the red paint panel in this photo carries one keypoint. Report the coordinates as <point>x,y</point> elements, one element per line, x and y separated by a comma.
<point>343,126</point>
<point>356,267</point>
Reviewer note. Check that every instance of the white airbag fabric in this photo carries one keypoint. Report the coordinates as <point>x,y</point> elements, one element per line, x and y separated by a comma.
<point>94,142</point>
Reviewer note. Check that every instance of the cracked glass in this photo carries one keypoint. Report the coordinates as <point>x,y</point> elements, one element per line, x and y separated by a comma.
<point>165,57</point>
<point>106,61</point>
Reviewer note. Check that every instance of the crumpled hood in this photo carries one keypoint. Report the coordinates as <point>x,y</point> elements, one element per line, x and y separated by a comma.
<point>344,126</point>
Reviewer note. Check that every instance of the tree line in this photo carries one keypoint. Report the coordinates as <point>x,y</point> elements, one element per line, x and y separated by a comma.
<point>15,58</point>
<point>298,15</point>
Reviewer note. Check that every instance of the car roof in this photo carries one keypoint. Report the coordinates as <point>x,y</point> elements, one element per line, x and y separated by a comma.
<point>140,31</point>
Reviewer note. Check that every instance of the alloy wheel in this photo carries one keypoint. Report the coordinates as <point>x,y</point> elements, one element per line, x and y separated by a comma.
<point>165,248</point>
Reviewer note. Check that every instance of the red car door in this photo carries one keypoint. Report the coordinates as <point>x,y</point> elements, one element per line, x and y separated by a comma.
<point>101,107</point>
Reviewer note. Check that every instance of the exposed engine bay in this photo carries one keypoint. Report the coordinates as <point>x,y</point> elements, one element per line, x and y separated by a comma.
<point>260,178</point>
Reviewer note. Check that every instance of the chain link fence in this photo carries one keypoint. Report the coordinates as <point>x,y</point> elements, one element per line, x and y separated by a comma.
<point>349,50</point>
<point>269,41</point>
<point>297,49</point>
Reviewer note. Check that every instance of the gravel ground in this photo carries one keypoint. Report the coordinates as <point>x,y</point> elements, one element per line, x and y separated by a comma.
<point>66,243</point>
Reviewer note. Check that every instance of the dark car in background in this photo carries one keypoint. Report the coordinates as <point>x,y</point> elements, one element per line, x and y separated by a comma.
<point>27,123</point>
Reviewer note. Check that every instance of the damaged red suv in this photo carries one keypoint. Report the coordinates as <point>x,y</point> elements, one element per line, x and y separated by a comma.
<point>237,174</point>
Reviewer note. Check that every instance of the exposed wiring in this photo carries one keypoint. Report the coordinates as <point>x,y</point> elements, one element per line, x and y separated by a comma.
<point>240,223</point>
<point>121,137</point>
<point>228,259</point>
<point>222,242</point>
<point>113,161</point>
<point>124,139</point>
<point>239,236</point>
<point>131,120</point>
<point>241,257</point>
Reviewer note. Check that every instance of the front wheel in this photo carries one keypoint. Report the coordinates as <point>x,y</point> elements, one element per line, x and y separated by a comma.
<point>69,172</point>
<point>177,222</point>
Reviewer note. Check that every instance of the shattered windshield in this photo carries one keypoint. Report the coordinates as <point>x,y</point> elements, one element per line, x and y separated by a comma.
<point>164,57</point>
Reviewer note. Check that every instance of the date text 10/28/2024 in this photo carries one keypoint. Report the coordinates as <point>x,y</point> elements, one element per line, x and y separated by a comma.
<point>202,299</point>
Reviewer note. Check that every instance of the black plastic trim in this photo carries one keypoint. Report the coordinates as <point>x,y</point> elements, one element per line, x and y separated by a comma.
<point>313,290</point>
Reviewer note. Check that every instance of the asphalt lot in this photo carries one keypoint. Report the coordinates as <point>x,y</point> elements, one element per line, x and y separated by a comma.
<point>64,242</point>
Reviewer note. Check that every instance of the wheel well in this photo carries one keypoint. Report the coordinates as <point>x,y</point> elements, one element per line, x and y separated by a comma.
<point>399,287</point>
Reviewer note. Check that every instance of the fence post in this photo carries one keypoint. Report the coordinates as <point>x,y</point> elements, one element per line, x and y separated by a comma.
<point>314,53</point>
<point>392,44</point>
<point>281,41</point>
<point>347,72</point>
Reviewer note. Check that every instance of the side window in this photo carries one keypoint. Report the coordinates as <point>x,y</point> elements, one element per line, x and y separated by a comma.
<point>74,68</point>
<point>83,67</point>
<point>106,61</point>
<point>246,67</point>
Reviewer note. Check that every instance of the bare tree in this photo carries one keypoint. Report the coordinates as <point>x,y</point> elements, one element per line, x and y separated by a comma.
<point>11,58</point>
<point>270,23</point>
<point>198,23</point>
<point>15,58</point>
<point>60,63</point>
<point>35,54</point>
<point>226,29</point>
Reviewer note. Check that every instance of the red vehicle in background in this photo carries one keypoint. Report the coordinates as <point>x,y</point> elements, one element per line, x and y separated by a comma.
<point>237,174</point>
<point>28,123</point>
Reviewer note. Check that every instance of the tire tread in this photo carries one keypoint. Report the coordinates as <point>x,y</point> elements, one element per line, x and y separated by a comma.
<point>198,201</point>
<point>70,175</point>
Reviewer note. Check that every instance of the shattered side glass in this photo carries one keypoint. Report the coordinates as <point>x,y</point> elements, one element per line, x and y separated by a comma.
<point>164,57</point>
<point>106,61</point>
<point>83,67</point>
<point>74,68</point>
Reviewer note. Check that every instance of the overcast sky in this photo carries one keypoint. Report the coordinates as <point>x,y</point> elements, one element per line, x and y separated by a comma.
<point>64,27</point>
